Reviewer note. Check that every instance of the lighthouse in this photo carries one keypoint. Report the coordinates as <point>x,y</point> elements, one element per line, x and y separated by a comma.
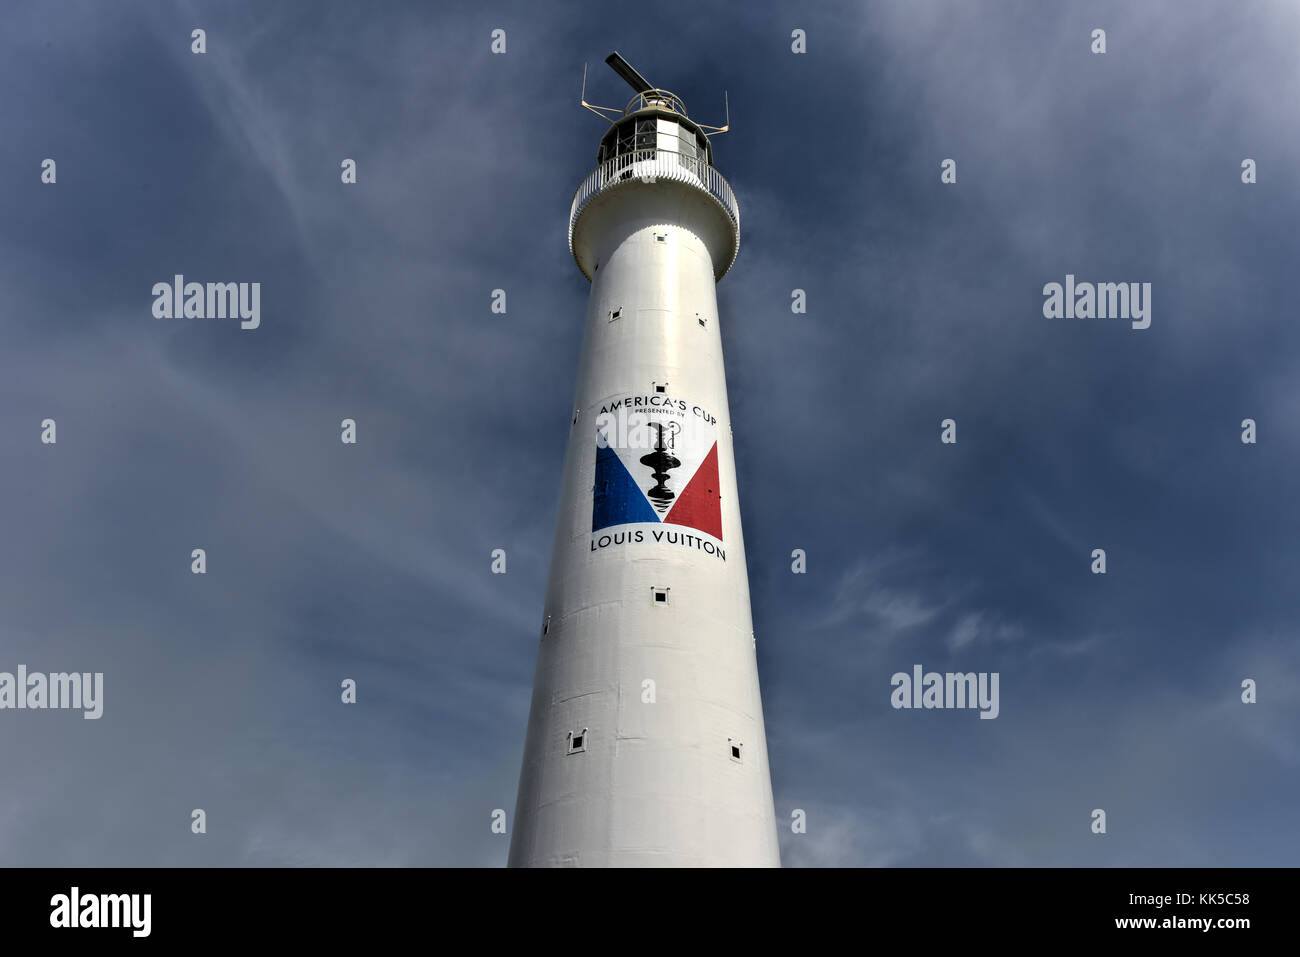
<point>645,742</point>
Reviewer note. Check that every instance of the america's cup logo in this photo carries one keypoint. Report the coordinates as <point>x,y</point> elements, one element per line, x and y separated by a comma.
<point>656,463</point>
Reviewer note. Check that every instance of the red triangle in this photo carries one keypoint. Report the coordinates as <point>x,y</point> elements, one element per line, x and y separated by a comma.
<point>698,506</point>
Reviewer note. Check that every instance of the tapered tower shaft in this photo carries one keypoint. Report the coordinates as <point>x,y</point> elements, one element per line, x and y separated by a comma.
<point>645,741</point>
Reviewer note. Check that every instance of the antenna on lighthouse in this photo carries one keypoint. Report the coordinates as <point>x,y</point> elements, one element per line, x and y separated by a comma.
<point>624,69</point>
<point>647,95</point>
<point>598,110</point>
<point>726,123</point>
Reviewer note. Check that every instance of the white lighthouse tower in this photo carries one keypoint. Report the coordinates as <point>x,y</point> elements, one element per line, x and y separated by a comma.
<point>645,741</point>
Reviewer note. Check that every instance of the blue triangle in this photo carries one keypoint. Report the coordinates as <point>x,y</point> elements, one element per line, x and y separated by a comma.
<point>617,500</point>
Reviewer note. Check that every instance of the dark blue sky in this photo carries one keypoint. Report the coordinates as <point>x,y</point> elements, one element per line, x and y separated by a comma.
<point>372,561</point>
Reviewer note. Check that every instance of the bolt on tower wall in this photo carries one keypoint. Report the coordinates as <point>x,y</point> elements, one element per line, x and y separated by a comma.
<point>645,741</point>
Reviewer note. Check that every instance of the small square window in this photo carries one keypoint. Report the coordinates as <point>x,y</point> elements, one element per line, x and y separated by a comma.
<point>661,237</point>
<point>702,320</point>
<point>661,596</point>
<point>662,388</point>
<point>546,626</point>
<point>577,741</point>
<point>615,313</point>
<point>735,749</point>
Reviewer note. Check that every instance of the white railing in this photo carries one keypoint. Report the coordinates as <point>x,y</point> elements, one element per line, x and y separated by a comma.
<point>650,165</point>
<point>649,99</point>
